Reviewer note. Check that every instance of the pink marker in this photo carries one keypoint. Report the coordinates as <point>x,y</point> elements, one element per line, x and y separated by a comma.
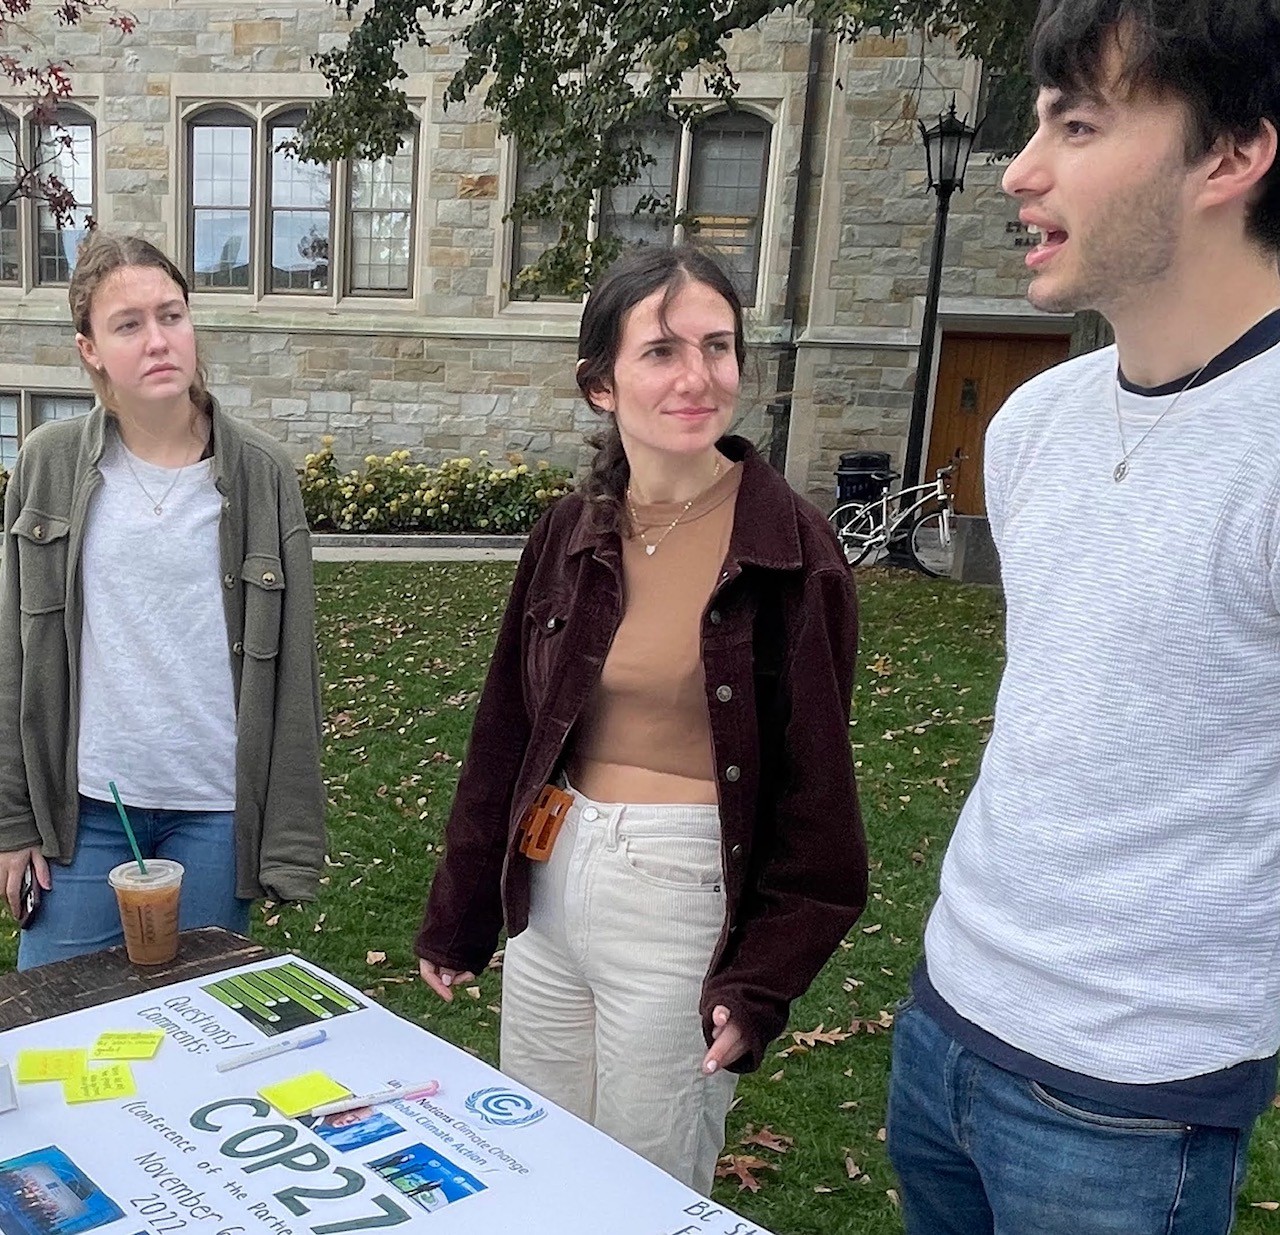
<point>405,1093</point>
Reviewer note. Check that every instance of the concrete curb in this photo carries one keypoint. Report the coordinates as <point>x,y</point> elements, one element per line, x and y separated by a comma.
<point>414,547</point>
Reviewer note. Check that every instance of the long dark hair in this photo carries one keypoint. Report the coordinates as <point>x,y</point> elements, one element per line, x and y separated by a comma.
<point>633,278</point>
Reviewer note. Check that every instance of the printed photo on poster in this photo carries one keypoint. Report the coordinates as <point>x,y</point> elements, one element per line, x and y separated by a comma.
<point>44,1193</point>
<point>426,1177</point>
<point>348,1130</point>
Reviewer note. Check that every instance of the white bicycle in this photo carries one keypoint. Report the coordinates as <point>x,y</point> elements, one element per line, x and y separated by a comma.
<point>921,525</point>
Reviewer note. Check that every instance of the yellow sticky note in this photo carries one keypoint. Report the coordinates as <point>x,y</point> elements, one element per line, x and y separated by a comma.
<point>49,1065</point>
<point>301,1093</point>
<point>115,1080</point>
<point>127,1044</point>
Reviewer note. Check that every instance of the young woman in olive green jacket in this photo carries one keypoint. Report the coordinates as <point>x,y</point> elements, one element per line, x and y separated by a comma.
<point>156,631</point>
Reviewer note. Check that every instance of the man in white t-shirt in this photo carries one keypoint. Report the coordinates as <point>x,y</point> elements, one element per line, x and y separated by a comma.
<point>1095,1026</point>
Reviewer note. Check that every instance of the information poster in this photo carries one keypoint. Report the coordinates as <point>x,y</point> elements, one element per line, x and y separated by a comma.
<point>126,1126</point>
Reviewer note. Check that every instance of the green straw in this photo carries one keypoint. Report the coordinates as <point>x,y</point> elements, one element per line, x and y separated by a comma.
<point>128,831</point>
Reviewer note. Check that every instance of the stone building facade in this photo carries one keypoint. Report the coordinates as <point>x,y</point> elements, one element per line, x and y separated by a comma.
<point>374,302</point>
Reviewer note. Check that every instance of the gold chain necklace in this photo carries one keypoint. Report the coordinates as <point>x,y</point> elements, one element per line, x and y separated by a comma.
<point>651,549</point>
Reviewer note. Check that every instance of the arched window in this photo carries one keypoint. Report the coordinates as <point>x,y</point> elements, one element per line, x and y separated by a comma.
<point>220,192</point>
<point>718,203</point>
<point>658,183</point>
<point>725,203</point>
<point>301,232</point>
<point>64,161</point>
<point>10,233</point>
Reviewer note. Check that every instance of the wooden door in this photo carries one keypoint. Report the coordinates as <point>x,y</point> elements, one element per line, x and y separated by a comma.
<point>976,374</point>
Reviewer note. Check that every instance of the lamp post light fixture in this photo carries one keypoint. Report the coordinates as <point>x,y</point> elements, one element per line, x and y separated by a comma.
<point>947,146</point>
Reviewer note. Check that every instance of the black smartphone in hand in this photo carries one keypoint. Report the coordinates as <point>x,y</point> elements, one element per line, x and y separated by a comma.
<point>28,896</point>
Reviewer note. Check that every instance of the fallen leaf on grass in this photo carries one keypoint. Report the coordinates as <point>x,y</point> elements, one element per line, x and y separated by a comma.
<point>823,1188</point>
<point>374,958</point>
<point>882,1135</point>
<point>743,1167</point>
<point>767,1138</point>
<point>777,1076</point>
<point>473,991</point>
<point>892,1194</point>
<point>1271,1205</point>
<point>871,930</point>
<point>813,1037</point>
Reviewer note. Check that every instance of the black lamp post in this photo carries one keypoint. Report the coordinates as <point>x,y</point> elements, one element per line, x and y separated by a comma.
<point>947,146</point>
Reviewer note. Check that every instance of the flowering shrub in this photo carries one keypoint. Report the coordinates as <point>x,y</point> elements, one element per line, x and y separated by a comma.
<point>390,494</point>
<point>4,484</point>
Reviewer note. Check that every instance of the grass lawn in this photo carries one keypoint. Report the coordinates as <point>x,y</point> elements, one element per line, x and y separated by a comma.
<point>404,653</point>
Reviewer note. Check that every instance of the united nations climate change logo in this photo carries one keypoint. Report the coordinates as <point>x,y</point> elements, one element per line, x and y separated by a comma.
<point>504,1107</point>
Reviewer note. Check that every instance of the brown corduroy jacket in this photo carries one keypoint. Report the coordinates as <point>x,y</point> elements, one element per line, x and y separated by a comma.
<point>779,645</point>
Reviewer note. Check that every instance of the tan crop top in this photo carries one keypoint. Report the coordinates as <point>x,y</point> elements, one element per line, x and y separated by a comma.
<point>645,733</point>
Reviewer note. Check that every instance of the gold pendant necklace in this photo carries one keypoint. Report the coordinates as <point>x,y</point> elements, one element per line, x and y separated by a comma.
<point>651,549</point>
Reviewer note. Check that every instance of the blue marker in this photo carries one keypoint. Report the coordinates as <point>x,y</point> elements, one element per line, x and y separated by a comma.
<point>278,1047</point>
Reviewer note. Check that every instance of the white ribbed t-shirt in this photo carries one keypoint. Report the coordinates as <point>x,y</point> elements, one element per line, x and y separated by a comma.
<point>1110,900</point>
<point>157,702</point>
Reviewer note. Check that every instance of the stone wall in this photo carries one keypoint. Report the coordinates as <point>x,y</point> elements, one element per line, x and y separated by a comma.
<point>456,368</point>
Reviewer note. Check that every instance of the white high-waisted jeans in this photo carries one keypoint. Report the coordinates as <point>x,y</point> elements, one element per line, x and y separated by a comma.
<point>600,994</point>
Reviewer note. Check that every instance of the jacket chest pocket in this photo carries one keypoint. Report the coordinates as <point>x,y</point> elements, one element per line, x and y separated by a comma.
<point>263,577</point>
<point>42,542</point>
<point>543,640</point>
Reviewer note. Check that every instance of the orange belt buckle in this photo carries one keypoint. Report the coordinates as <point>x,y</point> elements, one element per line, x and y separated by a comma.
<point>542,822</point>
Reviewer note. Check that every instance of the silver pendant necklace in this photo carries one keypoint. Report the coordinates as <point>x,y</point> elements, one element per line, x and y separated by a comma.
<point>1121,469</point>
<point>157,505</point>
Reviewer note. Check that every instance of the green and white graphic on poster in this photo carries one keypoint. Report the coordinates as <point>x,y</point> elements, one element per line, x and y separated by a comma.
<point>179,1146</point>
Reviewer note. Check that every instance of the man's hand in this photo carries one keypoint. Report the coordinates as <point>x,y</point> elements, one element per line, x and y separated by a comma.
<point>12,867</point>
<point>442,981</point>
<point>728,1042</point>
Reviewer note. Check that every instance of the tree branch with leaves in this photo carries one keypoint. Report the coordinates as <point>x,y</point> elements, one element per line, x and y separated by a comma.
<point>42,83</point>
<point>575,82</point>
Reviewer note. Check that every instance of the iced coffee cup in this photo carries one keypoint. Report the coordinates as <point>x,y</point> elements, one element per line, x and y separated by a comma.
<point>149,909</point>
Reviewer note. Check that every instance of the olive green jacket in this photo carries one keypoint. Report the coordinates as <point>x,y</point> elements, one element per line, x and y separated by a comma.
<point>269,599</point>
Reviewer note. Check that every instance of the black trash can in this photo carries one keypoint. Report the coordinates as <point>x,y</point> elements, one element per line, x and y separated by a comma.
<point>863,475</point>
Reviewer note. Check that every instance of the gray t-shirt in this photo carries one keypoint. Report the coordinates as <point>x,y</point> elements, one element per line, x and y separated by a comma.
<point>157,704</point>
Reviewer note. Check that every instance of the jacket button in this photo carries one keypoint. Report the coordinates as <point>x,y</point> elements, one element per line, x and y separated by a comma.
<point>238,648</point>
<point>724,693</point>
<point>38,531</point>
<point>268,577</point>
<point>715,617</point>
<point>228,581</point>
<point>736,851</point>
<point>732,772</point>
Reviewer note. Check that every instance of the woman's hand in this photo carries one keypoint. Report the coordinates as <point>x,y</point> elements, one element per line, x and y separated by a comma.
<point>442,981</point>
<point>12,867</point>
<point>728,1042</point>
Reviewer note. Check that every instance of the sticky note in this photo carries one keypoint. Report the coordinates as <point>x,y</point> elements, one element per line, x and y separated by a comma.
<point>296,1096</point>
<point>127,1044</point>
<point>49,1065</point>
<point>114,1080</point>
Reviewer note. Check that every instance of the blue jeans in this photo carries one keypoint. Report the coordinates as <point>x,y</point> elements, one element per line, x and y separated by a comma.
<point>981,1151</point>
<point>79,914</point>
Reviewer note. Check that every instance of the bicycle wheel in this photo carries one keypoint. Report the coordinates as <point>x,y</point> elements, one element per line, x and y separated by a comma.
<point>932,545</point>
<point>858,531</point>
